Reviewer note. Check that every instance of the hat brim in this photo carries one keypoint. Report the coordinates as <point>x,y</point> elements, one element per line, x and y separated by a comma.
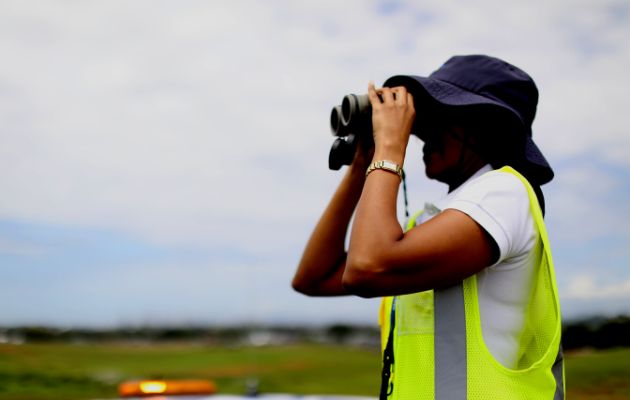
<point>427,90</point>
<point>538,166</point>
<point>444,93</point>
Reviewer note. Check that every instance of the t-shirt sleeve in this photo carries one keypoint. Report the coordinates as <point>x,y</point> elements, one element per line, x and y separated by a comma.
<point>499,203</point>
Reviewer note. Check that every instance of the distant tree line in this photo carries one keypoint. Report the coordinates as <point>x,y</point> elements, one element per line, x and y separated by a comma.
<point>597,332</point>
<point>232,335</point>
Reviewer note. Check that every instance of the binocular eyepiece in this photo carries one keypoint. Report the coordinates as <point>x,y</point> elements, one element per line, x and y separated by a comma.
<point>349,121</point>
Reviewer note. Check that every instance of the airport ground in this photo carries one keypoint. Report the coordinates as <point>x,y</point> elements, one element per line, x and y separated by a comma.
<point>55,371</point>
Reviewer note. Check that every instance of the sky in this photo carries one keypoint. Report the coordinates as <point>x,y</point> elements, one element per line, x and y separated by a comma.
<point>163,162</point>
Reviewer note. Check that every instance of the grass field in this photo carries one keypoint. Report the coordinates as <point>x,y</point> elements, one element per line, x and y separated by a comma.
<point>598,375</point>
<point>63,371</point>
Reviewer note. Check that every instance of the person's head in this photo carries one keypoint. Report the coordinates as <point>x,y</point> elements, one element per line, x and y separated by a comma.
<point>459,141</point>
<point>450,151</point>
<point>476,109</point>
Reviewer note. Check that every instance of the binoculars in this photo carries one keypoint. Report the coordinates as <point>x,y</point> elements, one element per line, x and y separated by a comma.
<point>349,121</point>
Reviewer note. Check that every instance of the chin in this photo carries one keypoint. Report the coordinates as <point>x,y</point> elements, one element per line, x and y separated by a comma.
<point>436,174</point>
<point>430,173</point>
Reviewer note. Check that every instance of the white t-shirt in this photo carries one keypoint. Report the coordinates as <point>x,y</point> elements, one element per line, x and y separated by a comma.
<point>499,203</point>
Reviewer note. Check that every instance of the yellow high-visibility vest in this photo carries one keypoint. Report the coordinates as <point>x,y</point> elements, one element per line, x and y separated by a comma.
<point>438,347</point>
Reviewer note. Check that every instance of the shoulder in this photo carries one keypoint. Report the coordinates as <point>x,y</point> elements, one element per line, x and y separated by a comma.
<point>498,201</point>
<point>497,184</point>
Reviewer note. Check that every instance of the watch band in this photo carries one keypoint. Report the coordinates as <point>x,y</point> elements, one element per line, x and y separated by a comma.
<point>385,165</point>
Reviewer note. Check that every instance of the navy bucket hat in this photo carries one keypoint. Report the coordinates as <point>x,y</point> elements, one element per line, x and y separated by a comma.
<point>479,80</point>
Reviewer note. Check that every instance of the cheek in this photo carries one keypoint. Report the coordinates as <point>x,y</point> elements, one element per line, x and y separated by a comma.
<point>428,155</point>
<point>433,147</point>
<point>452,157</point>
<point>452,150</point>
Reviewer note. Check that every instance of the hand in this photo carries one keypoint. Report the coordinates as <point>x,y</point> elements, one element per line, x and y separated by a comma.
<point>393,114</point>
<point>365,151</point>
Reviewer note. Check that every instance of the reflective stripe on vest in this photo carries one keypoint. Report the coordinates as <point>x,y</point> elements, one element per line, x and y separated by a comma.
<point>450,343</point>
<point>450,347</point>
<point>460,367</point>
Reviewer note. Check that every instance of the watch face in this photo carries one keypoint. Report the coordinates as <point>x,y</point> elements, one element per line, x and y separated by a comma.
<point>386,165</point>
<point>389,164</point>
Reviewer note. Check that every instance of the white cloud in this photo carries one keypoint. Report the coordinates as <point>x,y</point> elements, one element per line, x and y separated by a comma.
<point>586,287</point>
<point>586,202</point>
<point>203,123</point>
<point>163,117</point>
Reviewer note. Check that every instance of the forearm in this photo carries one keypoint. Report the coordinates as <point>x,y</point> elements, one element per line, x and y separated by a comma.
<point>383,260</point>
<point>321,266</point>
<point>375,230</point>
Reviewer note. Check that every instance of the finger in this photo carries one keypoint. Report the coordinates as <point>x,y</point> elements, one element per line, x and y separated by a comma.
<point>387,95</point>
<point>373,95</point>
<point>410,100</point>
<point>400,94</point>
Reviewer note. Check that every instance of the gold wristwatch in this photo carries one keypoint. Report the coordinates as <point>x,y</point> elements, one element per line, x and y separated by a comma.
<point>387,166</point>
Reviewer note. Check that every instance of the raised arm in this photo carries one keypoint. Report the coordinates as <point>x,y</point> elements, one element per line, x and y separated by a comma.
<point>382,259</point>
<point>321,268</point>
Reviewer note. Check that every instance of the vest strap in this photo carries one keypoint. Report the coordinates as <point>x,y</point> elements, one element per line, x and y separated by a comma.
<point>388,357</point>
<point>558,373</point>
<point>450,343</point>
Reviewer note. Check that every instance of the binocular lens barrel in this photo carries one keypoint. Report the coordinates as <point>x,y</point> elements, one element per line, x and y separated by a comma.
<point>336,123</point>
<point>353,106</point>
<point>342,151</point>
<point>348,121</point>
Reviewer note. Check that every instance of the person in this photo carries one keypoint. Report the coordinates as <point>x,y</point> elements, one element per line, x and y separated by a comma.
<point>470,307</point>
